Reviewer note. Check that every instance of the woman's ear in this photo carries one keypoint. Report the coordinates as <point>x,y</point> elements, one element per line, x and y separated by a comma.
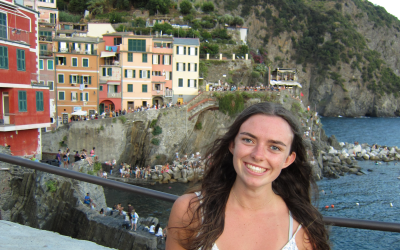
<point>289,160</point>
<point>231,146</point>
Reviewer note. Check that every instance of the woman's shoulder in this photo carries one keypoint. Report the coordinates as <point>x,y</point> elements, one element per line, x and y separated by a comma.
<point>183,202</point>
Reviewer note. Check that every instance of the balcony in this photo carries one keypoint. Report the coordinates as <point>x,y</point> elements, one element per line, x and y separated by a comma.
<point>39,80</point>
<point>13,34</point>
<point>7,119</point>
<point>113,95</point>
<point>157,92</point>
<point>45,38</point>
<point>169,93</point>
<point>77,51</point>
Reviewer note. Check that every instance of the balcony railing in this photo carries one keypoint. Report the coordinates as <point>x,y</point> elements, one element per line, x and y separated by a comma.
<point>334,221</point>
<point>45,38</point>
<point>113,95</point>
<point>157,92</point>
<point>6,119</point>
<point>169,93</point>
<point>39,80</point>
<point>46,53</point>
<point>77,51</point>
<point>14,34</point>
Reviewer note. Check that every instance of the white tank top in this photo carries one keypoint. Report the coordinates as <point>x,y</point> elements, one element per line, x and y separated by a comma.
<point>291,245</point>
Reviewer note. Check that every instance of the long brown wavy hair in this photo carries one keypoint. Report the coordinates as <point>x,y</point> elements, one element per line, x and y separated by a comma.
<point>293,185</point>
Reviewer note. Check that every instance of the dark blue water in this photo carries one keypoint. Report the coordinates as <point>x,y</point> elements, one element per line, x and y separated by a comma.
<point>374,191</point>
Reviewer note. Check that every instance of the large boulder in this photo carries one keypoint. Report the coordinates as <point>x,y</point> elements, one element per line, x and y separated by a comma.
<point>184,173</point>
<point>335,159</point>
<point>177,173</point>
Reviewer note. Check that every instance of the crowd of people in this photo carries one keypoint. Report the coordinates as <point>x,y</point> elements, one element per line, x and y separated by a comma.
<point>64,157</point>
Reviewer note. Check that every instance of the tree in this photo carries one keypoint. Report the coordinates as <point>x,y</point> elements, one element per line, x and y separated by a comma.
<point>96,6</point>
<point>77,6</point>
<point>206,48</point>
<point>158,6</point>
<point>226,19</point>
<point>238,21</point>
<point>207,7</point>
<point>185,7</point>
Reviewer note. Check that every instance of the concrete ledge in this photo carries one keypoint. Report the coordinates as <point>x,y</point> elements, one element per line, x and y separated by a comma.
<point>15,236</point>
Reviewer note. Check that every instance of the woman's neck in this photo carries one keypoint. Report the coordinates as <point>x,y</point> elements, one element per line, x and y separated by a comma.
<point>250,198</point>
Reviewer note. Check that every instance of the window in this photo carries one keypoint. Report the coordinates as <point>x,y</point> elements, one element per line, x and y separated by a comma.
<point>85,62</point>
<point>166,60</point>
<point>3,25</point>
<point>144,58</point>
<point>53,17</point>
<point>117,40</point>
<point>148,74</point>
<point>41,64</point>
<point>130,88</point>
<point>166,75</point>
<point>51,85</point>
<point>73,79</point>
<point>60,78</point>
<point>156,59</point>
<point>136,45</point>
<point>86,80</point>
<point>104,72</point>
<point>144,74</point>
<point>61,95</point>
<point>22,106</point>
<point>130,57</point>
<point>39,101</point>
<point>84,96</point>
<point>3,55</point>
<point>20,60</point>
<point>170,75</point>
<point>41,83</point>
<point>101,88</point>
<point>129,73</point>
<point>74,62</point>
<point>195,67</point>
<point>144,88</point>
<point>74,96</point>
<point>192,83</point>
<point>189,66</point>
<point>109,71</point>
<point>192,51</point>
<point>180,82</point>
<point>50,65</point>
<point>156,73</point>
<point>61,61</point>
<point>195,83</point>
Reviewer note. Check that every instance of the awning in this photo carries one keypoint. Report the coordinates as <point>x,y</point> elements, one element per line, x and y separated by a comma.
<point>114,82</point>
<point>107,54</point>
<point>79,112</point>
<point>286,83</point>
<point>102,81</point>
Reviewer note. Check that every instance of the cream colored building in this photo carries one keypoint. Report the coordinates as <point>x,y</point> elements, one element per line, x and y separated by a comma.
<point>185,70</point>
<point>98,29</point>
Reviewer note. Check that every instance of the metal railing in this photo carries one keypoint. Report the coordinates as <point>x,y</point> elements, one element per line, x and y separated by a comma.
<point>334,221</point>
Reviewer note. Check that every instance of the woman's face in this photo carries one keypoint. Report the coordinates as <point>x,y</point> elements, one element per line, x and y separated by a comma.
<point>261,150</point>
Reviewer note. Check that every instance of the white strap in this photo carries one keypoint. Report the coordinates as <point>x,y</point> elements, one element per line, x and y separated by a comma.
<point>290,225</point>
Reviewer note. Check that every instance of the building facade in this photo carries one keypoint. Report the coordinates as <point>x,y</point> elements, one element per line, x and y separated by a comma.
<point>77,75</point>
<point>161,83</point>
<point>136,66</point>
<point>24,108</point>
<point>185,74</point>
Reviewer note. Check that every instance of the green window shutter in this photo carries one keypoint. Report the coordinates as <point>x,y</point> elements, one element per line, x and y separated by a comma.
<point>195,67</point>
<point>81,80</point>
<point>90,80</point>
<point>86,96</point>
<point>140,74</point>
<point>188,66</point>
<point>50,64</point>
<point>70,79</point>
<point>177,66</point>
<point>148,74</point>
<point>130,57</point>
<point>110,71</point>
<point>177,50</point>
<point>188,83</point>
<point>195,51</point>
<point>134,73</point>
<point>163,60</point>
<point>40,64</point>
<point>184,66</point>
<point>195,83</point>
<point>159,59</point>
<point>81,96</point>
<point>144,88</point>
<point>85,62</point>
<point>184,50</point>
<point>104,72</point>
<point>22,107</point>
<point>126,73</point>
<point>144,58</point>
<point>130,87</point>
<point>180,82</point>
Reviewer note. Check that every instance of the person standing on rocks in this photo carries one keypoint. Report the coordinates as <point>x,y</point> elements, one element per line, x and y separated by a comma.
<point>135,218</point>
<point>58,157</point>
<point>256,190</point>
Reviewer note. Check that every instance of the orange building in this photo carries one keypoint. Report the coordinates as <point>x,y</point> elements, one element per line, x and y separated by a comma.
<point>77,75</point>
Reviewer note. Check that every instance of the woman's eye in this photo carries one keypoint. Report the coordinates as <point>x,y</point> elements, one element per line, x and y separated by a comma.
<point>275,148</point>
<point>247,140</point>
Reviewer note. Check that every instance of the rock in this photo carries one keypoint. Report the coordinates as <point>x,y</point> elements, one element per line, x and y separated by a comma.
<point>160,177</point>
<point>353,170</point>
<point>357,149</point>
<point>184,173</point>
<point>183,180</point>
<point>348,161</point>
<point>336,159</point>
<point>329,158</point>
<point>333,142</point>
<point>154,176</point>
<point>366,157</point>
<point>370,170</point>
<point>359,173</point>
<point>345,169</point>
<point>332,151</point>
<point>374,158</point>
<point>172,181</point>
<point>177,174</point>
<point>166,177</point>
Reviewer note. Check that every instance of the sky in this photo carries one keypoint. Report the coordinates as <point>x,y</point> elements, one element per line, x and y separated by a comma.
<point>391,6</point>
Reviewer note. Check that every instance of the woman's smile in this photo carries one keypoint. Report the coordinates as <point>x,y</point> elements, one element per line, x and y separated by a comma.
<point>254,168</point>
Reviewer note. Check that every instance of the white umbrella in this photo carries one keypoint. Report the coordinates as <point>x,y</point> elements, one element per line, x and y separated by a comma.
<point>79,112</point>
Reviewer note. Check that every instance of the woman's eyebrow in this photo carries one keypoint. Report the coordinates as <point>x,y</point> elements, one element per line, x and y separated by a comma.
<point>270,141</point>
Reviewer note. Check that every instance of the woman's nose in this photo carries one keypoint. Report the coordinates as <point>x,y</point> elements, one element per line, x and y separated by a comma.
<point>258,153</point>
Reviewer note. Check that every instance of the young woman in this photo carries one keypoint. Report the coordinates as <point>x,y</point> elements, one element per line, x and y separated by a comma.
<point>256,190</point>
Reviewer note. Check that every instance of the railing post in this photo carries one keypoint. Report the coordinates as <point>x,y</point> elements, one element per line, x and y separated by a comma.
<point>247,56</point>
<point>208,56</point>
<point>220,56</point>
<point>233,56</point>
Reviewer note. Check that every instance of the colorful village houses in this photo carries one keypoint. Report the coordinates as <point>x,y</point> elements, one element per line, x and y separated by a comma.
<point>24,98</point>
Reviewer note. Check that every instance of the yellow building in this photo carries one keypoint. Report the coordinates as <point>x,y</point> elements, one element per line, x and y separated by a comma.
<point>136,65</point>
<point>77,75</point>
<point>185,70</point>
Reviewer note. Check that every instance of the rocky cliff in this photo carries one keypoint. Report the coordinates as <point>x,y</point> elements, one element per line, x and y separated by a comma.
<point>346,52</point>
<point>54,203</point>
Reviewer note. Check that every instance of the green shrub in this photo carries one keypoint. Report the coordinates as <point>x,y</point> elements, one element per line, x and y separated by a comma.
<point>296,108</point>
<point>101,127</point>
<point>51,186</point>
<point>97,166</point>
<point>231,104</point>
<point>90,172</point>
<point>207,7</point>
<point>198,126</point>
<point>153,122</point>
<point>255,74</point>
<point>185,7</point>
<point>114,120</point>
<point>157,130</point>
<point>122,119</point>
<point>155,141</point>
<point>68,17</point>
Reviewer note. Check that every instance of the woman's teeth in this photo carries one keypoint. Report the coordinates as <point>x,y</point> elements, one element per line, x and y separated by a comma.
<point>256,169</point>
